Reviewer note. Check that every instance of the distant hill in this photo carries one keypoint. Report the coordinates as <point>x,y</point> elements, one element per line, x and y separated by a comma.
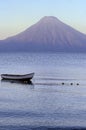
<point>49,34</point>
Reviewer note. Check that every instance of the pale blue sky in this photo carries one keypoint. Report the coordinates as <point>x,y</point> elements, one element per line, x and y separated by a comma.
<point>17,15</point>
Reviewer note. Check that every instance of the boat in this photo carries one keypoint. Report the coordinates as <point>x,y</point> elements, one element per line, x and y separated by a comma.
<point>25,77</point>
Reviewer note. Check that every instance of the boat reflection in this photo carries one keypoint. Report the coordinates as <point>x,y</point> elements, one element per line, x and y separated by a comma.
<point>29,82</point>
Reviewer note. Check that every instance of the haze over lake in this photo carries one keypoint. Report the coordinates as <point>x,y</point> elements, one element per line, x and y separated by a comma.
<point>48,102</point>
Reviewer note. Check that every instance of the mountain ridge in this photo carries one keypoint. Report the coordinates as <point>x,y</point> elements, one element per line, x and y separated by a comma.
<point>48,34</point>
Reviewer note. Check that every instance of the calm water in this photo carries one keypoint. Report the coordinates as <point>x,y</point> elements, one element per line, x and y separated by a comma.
<point>46,102</point>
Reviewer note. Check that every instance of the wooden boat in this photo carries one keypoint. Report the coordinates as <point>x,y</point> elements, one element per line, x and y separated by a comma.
<point>26,77</point>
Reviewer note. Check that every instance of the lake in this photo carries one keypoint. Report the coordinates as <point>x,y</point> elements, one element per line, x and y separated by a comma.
<point>56,99</point>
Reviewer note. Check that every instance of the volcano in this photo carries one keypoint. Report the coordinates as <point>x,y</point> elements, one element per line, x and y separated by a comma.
<point>47,35</point>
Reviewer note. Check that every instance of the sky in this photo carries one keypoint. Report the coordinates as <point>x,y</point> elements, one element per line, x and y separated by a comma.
<point>18,15</point>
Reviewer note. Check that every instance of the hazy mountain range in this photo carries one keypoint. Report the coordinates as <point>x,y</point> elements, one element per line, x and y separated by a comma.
<point>48,34</point>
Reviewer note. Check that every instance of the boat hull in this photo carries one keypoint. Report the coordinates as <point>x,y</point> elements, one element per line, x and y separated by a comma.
<point>26,77</point>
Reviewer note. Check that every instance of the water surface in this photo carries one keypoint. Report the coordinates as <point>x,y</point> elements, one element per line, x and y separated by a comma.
<point>51,101</point>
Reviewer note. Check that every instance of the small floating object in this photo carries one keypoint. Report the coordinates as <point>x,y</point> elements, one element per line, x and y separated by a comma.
<point>26,77</point>
<point>62,83</point>
<point>77,84</point>
<point>71,83</point>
